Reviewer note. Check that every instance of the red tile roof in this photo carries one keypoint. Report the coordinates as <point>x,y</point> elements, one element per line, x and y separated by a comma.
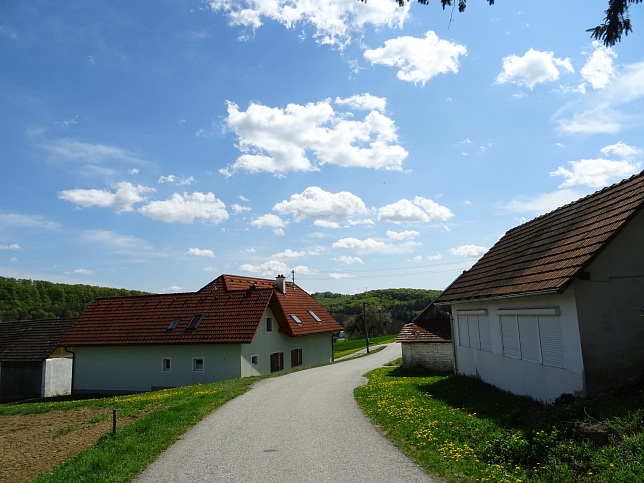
<point>232,309</point>
<point>548,253</point>
<point>430,326</point>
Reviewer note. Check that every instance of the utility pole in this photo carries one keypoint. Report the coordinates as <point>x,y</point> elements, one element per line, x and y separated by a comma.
<point>366,327</point>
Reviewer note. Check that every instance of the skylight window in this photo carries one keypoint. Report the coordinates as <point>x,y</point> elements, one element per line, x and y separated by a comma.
<point>173,323</point>
<point>313,314</point>
<point>194,322</point>
<point>296,319</point>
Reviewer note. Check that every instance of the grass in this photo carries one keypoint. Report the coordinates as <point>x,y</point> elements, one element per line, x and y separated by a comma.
<point>347,347</point>
<point>162,416</point>
<point>466,431</point>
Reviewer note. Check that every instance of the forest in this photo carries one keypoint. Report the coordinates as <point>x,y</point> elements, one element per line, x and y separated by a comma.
<point>35,299</point>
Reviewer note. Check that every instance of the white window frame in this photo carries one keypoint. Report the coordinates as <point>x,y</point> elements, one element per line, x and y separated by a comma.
<point>196,362</point>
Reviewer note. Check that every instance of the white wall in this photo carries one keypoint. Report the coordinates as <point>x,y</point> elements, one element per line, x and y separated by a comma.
<point>536,380</point>
<point>57,377</point>
<point>317,349</point>
<point>126,369</point>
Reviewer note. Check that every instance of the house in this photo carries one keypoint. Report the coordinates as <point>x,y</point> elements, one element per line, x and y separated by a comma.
<point>426,343</point>
<point>554,306</point>
<point>31,364</point>
<point>233,327</point>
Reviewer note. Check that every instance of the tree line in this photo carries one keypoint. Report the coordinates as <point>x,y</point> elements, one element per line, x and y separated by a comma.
<point>379,312</point>
<point>35,299</point>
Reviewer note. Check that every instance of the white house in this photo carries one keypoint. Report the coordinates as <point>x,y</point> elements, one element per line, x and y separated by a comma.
<point>233,327</point>
<point>554,306</point>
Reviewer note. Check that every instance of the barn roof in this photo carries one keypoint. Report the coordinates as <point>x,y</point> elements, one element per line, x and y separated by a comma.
<point>31,340</point>
<point>547,254</point>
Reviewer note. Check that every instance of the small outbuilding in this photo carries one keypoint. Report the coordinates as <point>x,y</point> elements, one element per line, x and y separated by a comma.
<point>31,362</point>
<point>426,343</point>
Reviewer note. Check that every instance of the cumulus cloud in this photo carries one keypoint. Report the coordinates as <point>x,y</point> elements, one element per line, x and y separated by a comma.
<point>607,110</point>
<point>326,224</point>
<point>534,67</point>
<point>271,268</point>
<point>418,60</point>
<point>186,208</point>
<point>364,102</point>
<point>318,204</point>
<point>595,173</point>
<point>13,246</point>
<point>402,235</point>
<point>178,180</point>
<point>468,251</point>
<point>599,69</point>
<point>420,210</point>
<point>305,137</point>
<point>348,260</point>
<point>237,208</point>
<point>333,22</point>
<point>83,271</point>
<point>340,276</point>
<point>122,199</point>
<point>620,149</point>
<point>288,253</point>
<point>269,220</point>
<point>369,245</point>
<point>200,252</point>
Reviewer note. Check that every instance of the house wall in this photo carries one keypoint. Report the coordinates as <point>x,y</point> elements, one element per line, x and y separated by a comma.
<point>128,369</point>
<point>317,349</point>
<point>57,377</point>
<point>430,356</point>
<point>521,373</point>
<point>611,326</point>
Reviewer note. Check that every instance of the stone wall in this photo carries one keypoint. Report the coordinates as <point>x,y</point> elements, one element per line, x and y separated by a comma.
<point>437,356</point>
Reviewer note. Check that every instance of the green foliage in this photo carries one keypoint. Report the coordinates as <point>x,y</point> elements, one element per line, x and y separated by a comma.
<point>465,430</point>
<point>36,299</point>
<point>403,304</point>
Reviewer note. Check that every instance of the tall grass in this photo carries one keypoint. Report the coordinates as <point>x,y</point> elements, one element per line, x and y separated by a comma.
<point>467,431</point>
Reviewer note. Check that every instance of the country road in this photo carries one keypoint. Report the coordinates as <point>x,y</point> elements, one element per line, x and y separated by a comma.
<point>301,427</point>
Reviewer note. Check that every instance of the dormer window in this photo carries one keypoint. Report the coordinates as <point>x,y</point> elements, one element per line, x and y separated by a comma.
<point>313,314</point>
<point>194,322</point>
<point>173,323</point>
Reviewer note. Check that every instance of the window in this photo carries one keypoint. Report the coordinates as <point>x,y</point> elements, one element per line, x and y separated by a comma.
<point>296,318</point>
<point>269,324</point>
<point>165,364</point>
<point>197,364</point>
<point>253,360</point>
<point>533,335</point>
<point>474,329</point>
<point>277,361</point>
<point>296,357</point>
<point>194,322</point>
<point>173,323</point>
<point>314,315</point>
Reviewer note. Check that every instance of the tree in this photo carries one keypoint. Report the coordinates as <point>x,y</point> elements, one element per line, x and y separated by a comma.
<point>616,23</point>
<point>378,323</point>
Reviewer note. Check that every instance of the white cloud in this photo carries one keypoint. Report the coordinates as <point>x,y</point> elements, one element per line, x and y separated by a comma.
<point>288,253</point>
<point>122,200</point>
<point>364,102</point>
<point>318,204</point>
<point>420,210</point>
<point>438,256</point>
<point>72,150</point>
<point>535,67</point>
<point>349,260</point>
<point>369,245</point>
<point>83,271</point>
<point>599,69</point>
<point>123,244</point>
<point>468,251</point>
<point>543,203</point>
<point>200,252</point>
<point>237,209</point>
<point>28,221</point>
<point>305,137</point>
<point>185,208</point>
<point>595,173</point>
<point>418,60</point>
<point>326,224</point>
<point>402,235</point>
<point>269,220</point>
<point>178,180</point>
<point>272,268</point>
<point>172,288</point>
<point>13,246</point>
<point>620,149</point>
<point>340,276</point>
<point>333,21</point>
<point>607,110</point>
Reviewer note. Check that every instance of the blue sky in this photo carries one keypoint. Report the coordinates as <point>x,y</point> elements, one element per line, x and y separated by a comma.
<point>156,145</point>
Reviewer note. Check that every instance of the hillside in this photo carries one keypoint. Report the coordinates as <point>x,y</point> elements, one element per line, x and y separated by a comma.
<point>404,304</point>
<point>36,299</point>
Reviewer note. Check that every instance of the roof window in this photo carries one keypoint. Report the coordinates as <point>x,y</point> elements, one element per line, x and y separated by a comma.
<point>194,322</point>
<point>313,314</point>
<point>296,319</point>
<point>173,323</point>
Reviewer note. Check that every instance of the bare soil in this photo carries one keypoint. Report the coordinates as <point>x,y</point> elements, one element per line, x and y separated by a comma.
<point>35,443</point>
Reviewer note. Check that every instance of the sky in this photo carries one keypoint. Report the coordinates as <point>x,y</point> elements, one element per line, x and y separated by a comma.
<point>349,146</point>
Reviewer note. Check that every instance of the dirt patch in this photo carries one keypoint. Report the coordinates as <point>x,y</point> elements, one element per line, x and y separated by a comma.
<point>34,443</point>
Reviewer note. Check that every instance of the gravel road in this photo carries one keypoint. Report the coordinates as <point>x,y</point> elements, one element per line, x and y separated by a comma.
<point>304,427</point>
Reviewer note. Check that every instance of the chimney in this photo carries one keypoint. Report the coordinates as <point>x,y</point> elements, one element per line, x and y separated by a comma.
<point>280,283</point>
